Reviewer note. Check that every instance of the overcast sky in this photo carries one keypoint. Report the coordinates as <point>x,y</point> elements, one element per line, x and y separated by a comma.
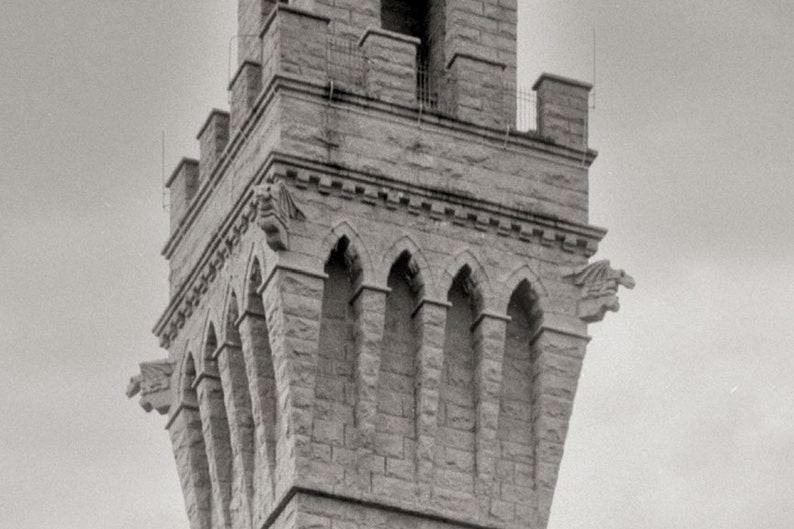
<point>685,413</point>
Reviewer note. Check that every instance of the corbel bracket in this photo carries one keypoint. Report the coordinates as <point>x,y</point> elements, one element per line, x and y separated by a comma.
<point>599,284</point>
<point>154,384</point>
<point>275,208</point>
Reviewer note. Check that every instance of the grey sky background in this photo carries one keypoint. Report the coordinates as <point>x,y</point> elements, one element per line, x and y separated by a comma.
<point>685,412</point>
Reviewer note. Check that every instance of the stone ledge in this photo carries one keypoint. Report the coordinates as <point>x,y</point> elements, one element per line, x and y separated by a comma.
<point>560,79</point>
<point>392,35</point>
<point>240,69</point>
<point>475,58</point>
<point>183,161</point>
<point>178,410</point>
<point>373,503</point>
<point>214,112</point>
<point>368,286</point>
<point>279,7</point>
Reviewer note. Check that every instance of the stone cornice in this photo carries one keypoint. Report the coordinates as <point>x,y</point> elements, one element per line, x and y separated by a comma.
<point>425,200</point>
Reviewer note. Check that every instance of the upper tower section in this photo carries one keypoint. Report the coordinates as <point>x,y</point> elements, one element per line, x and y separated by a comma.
<point>379,275</point>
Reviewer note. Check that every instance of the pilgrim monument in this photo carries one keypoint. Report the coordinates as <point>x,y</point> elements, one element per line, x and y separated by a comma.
<point>380,282</point>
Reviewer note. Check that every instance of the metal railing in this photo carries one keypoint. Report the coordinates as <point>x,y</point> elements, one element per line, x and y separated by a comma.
<point>346,68</point>
<point>345,64</point>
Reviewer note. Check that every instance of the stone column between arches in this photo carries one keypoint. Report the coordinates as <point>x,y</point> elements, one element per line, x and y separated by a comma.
<point>557,357</point>
<point>215,429</point>
<point>431,318</point>
<point>369,308</point>
<point>187,440</point>
<point>292,299</point>
<point>490,331</point>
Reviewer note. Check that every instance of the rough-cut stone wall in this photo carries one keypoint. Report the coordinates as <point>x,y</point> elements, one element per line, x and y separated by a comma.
<point>399,336</point>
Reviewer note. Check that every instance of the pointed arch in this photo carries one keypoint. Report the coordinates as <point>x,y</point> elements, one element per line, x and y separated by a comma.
<point>210,343</point>
<point>355,251</point>
<point>336,361</point>
<point>523,273</point>
<point>456,417</point>
<point>395,388</point>
<point>187,380</point>
<point>260,375</point>
<point>515,437</point>
<point>215,424</point>
<point>231,313</point>
<point>239,412</point>
<point>253,281</point>
<point>466,267</point>
<point>187,438</point>
<point>418,262</point>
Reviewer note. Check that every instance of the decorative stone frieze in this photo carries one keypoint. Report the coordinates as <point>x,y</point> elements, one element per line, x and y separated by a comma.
<point>599,283</point>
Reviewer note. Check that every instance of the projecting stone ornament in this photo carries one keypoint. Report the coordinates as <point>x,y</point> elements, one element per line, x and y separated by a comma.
<point>275,209</point>
<point>154,384</point>
<point>599,283</point>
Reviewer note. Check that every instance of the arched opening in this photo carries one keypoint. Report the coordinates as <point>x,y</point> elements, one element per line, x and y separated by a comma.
<point>425,20</point>
<point>210,345</point>
<point>215,427</point>
<point>234,380</point>
<point>335,391</point>
<point>260,372</point>
<point>232,315</point>
<point>396,395</point>
<point>514,434</point>
<point>190,449</point>
<point>455,445</point>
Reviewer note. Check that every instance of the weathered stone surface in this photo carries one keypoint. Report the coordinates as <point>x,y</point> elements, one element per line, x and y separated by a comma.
<point>599,283</point>
<point>413,276</point>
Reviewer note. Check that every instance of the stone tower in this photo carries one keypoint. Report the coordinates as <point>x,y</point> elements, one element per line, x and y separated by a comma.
<point>379,285</point>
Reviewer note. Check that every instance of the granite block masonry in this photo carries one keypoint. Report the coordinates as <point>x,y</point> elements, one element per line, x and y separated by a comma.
<point>379,288</point>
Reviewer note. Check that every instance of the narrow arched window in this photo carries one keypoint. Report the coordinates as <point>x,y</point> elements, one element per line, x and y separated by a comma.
<point>455,444</point>
<point>335,390</point>
<point>215,427</point>
<point>234,379</point>
<point>396,395</point>
<point>258,357</point>
<point>514,434</point>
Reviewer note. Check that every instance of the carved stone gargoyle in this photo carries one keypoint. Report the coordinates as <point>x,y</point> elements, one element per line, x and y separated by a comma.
<point>275,209</point>
<point>599,283</point>
<point>154,384</point>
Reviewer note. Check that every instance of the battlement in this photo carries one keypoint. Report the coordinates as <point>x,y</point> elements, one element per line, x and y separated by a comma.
<point>302,53</point>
